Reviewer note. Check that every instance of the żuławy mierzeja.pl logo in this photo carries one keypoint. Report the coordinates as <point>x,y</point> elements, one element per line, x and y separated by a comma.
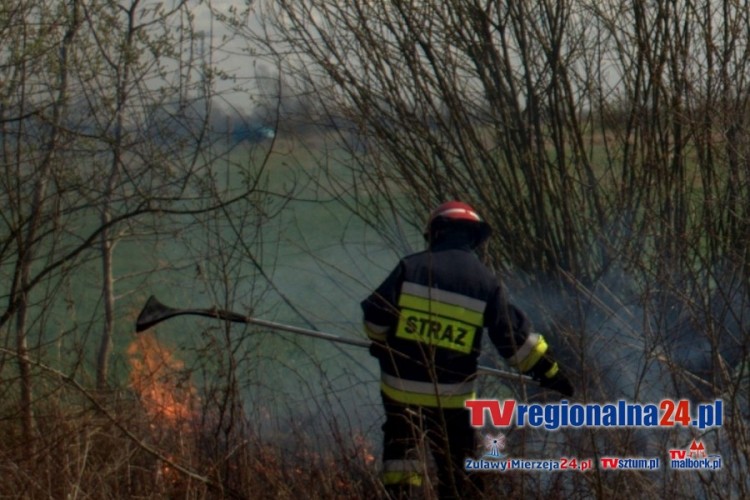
<point>666,414</point>
<point>493,459</point>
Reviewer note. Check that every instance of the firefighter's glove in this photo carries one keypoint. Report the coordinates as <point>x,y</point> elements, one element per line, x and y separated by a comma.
<point>558,382</point>
<point>549,375</point>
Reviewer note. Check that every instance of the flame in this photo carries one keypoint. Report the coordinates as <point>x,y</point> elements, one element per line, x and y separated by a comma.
<point>363,449</point>
<point>156,376</point>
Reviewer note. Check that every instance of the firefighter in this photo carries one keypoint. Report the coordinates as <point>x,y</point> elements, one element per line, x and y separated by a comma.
<point>426,322</point>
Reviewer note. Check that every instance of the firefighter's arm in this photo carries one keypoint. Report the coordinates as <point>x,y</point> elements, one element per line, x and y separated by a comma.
<point>535,358</point>
<point>509,330</point>
<point>380,310</point>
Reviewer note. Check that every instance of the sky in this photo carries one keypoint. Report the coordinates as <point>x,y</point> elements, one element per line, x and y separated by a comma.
<point>230,53</point>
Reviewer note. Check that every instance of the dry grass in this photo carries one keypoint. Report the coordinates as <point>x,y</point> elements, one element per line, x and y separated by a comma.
<point>80,453</point>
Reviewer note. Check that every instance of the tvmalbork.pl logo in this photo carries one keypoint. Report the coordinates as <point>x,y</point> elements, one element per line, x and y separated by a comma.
<point>694,457</point>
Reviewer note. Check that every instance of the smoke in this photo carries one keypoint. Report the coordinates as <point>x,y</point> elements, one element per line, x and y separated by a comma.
<point>624,339</point>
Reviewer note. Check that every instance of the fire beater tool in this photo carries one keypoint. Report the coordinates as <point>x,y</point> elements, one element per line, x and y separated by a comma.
<point>155,312</point>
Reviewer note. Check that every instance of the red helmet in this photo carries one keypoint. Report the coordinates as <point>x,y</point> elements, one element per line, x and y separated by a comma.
<point>460,212</point>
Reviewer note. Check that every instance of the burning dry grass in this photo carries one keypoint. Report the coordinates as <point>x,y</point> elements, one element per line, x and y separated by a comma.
<point>157,377</point>
<point>157,439</point>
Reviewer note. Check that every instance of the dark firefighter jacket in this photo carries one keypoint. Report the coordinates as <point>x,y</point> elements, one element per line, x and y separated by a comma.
<point>427,320</point>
